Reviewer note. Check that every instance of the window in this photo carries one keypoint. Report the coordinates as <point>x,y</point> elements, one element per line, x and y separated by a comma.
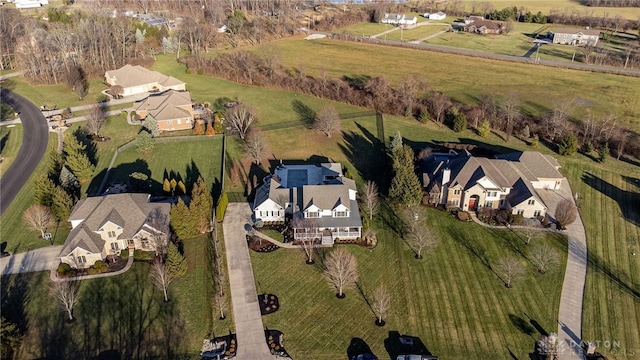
<point>112,234</point>
<point>489,204</point>
<point>531,202</point>
<point>114,246</point>
<point>536,213</point>
<point>457,192</point>
<point>169,122</point>
<point>520,212</point>
<point>81,259</point>
<point>179,121</point>
<point>455,202</point>
<point>312,214</point>
<point>492,194</point>
<point>340,214</point>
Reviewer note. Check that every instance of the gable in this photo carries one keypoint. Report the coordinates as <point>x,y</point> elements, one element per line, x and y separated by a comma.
<point>487,183</point>
<point>268,204</point>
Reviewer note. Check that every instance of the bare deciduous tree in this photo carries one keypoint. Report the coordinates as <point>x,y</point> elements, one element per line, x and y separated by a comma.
<point>545,258</point>
<point>307,241</point>
<point>66,295</point>
<point>548,346</point>
<point>240,118</point>
<point>161,277</point>
<point>566,213</point>
<point>439,104</point>
<point>380,303</point>
<point>511,268</point>
<point>341,271</point>
<point>161,232</point>
<point>420,237</point>
<point>95,119</point>
<point>38,218</point>
<point>327,121</point>
<point>510,108</point>
<point>255,143</point>
<point>370,198</point>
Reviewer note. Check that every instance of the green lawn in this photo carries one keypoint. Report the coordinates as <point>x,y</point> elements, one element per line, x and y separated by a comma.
<point>466,78</point>
<point>124,312</point>
<point>12,227</point>
<point>59,95</point>
<point>547,5</point>
<point>451,300</point>
<point>10,141</point>
<point>611,214</point>
<point>415,33</point>
<point>187,159</point>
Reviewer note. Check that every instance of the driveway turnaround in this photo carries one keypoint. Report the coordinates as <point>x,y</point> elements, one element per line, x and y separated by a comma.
<point>570,313</point>
<point>34,144</point>
<point>252,344</point>
<point>31,261</point>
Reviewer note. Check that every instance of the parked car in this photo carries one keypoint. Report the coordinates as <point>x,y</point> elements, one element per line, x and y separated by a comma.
<point>364,357</point>
<point>416,357</point>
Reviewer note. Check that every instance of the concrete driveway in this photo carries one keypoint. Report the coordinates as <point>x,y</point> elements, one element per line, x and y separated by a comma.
<point>252,344</point>
<point>31,261</point>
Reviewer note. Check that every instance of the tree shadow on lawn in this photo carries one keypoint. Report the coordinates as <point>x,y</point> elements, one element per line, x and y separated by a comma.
<point>120,174</point>
<point>474,249</point>
<point>127,317</point>
<point>627,200</point>
<point>306,114</point>
<point>367,154</point>
<point>3,140</point>
<point>522,325</point>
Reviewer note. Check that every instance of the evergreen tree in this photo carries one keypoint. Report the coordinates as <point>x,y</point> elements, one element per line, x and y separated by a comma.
<point>166,186</point>
<point>405,185</point>
<point>181,188</point>
<point>535,141</point>
<point>459,122</point>
<point>603,152</point>
<point>173,184</point>
<point>181,220</point>
<point>151,126</point>
<point>176,263</point>
<point>569,145</point>
<point>43,191</point>
<point>210,131</point>
<point>485,128</point>
<point>68,181</point>
<point>396,143</point>
<point>197,128</point>
<point>55,161</point>
<point>144,142</point>
<point>76,159</point>
<point>62,204</point>
<point>201,202</point>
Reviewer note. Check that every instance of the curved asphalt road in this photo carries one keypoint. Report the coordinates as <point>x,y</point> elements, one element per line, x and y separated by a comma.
<point>34,144</point>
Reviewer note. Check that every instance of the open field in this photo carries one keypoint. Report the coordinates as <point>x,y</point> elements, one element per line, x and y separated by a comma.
<point>415,33</point>
<point>450,300</point>
<point>121,315</point>
<point>547,5</point>
<point>12,227</point>
<point>60,95</point>
<point>10,140</point>
<point>466,78</point>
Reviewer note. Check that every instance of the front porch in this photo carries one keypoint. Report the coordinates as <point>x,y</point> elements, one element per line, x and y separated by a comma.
<point>327,236</point>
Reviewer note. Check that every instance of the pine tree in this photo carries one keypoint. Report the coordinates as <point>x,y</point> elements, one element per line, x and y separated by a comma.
<point>151,125</point>
<point>485,128</point>
<point>405,185</point>
<point>43,191</point>
<point>396,143</point>
<point>569,145</point>
<point>145,142</point>
<point>62,204</point>
<point>173,183</point>
<point>603,152</point>
<point>176,263</point>
<point>210,131</point>
<point>76,159</point>
<point>201,202</point>
<point>166,186</point>
<point>181,220</point>
<point>181,188</point>
<point>55,161</point>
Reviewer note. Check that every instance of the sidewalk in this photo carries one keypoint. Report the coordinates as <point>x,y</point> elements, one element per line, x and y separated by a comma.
<point>54,278</point>
<point>252,344</point>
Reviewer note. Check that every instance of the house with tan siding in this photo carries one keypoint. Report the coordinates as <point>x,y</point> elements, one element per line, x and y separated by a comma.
<point>106,225</point>
<point>509,181</point>
<point>136,79</point>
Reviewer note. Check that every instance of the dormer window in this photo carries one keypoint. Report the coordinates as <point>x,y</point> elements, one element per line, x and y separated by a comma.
<point>457,192</point>
<point>313,214</point>
<point>112,234</point>
<point>340,214</point>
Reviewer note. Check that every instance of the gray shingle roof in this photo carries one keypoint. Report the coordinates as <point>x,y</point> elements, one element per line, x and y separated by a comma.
<point>130,75</point>
<point>534,165</point>
<point>166,106</point>
<point>130,211</point>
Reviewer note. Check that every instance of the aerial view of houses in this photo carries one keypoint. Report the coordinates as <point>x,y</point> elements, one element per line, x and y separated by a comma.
<point>402,180</point>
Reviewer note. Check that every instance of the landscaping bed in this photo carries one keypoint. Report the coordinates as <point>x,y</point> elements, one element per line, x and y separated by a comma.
<point>260,245</point>
<point>269,303</point>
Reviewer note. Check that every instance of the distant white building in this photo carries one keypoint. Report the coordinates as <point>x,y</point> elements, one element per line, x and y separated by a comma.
<point>575,36</point>
<point>30,4</point>
<point>398,19</point>
<point>435,16</point>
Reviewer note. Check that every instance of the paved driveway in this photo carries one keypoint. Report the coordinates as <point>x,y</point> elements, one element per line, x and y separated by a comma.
<point>31,261</point>
<point>252,344</point>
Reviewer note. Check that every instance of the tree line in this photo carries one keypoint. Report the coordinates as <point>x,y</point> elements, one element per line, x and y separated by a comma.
<point>611,3</point>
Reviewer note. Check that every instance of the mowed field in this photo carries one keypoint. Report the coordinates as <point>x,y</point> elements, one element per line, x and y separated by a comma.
<point>466,78</point>
<point>450,300</point>
<point>547,5</point>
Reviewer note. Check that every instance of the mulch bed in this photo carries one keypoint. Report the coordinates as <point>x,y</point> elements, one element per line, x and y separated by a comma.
<point>117,265</point>
<point>275,340</point>
<point>259,245</point>
<point>268,303</point>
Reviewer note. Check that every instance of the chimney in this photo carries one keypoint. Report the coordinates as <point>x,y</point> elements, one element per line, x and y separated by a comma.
<point>446,176</point>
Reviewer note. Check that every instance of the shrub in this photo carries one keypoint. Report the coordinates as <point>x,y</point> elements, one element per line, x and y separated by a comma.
<point>63,269</point>
<point>503,217</point>
<point>221,207</point>
<point>462,216</point>
<point>459,122</point>
<point>100,266</point>
<point>259,224</point>
<point>143,255</point>
<point>517,219</point>
<point>569,145</point>
<point>124,254</point>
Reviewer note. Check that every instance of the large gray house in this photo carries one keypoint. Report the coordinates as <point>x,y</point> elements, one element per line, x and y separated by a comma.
<point>318,198</point>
